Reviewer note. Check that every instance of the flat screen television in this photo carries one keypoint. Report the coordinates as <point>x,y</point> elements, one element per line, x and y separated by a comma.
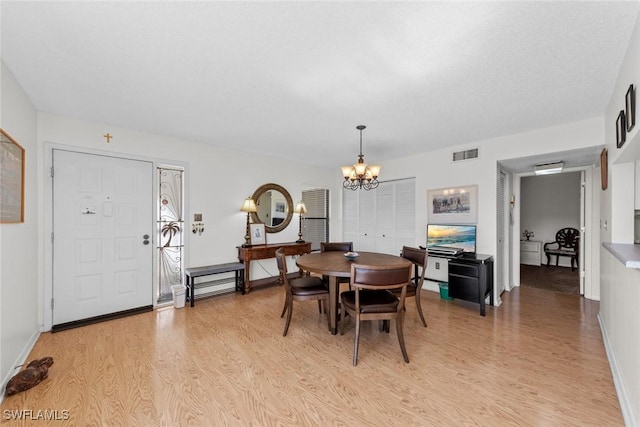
<point>452,236</point>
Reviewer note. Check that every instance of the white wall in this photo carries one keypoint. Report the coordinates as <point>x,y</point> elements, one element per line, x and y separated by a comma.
<point>217,182</point>
<point>436,170</point>
<point>549,203</point>
<point>619,286</point>
<point>19,254</point>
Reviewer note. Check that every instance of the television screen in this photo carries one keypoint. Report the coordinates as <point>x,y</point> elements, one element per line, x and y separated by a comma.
<point>452,236</point>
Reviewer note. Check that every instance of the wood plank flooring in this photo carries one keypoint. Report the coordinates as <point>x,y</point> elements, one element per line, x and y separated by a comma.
<point>538,360</point>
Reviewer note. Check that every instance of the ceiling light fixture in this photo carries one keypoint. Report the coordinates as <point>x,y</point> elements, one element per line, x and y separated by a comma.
<point>548,168</point>
<point>360,175</point>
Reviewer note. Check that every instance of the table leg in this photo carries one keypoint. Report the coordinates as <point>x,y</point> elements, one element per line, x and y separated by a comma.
<point>247,276</point>
<point>334,292</point>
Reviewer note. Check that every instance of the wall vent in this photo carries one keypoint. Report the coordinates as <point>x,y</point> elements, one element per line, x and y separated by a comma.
<point>465,155</point>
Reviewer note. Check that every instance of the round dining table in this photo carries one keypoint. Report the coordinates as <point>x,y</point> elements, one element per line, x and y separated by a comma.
<point>336,264</point>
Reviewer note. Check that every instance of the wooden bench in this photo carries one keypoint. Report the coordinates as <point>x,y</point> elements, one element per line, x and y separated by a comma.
<point>209,270</point>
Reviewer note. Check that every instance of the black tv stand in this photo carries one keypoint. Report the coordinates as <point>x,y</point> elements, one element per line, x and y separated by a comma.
<point>470,278</point>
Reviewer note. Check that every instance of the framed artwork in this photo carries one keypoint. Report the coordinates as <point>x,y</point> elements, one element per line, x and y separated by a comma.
<point>12,180</point>
<point>630,108</point>
<point>456,205</point>
<point>621,130</point>
<point>258,235</point>
<point>604,171</point>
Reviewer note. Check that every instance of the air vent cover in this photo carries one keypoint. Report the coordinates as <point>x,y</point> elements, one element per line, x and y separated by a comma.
<point>465,155</point>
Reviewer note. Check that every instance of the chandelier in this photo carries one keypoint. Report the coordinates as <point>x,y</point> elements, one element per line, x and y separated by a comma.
<point>360,175</point>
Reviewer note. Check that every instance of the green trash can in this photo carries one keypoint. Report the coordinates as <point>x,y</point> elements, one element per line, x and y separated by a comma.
<point>444,291</point>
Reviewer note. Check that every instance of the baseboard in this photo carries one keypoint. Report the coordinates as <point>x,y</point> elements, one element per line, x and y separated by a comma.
<point>623,398</point>
<point>19,362</point>
<point>102,318</point>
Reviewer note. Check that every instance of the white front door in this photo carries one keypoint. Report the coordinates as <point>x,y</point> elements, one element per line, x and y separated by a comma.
<point>102,235</point>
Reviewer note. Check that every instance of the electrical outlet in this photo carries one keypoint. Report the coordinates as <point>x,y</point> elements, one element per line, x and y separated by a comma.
<point>437,265</point>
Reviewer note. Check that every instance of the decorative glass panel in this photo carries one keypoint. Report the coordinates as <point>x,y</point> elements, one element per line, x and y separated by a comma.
<point>170,231</point>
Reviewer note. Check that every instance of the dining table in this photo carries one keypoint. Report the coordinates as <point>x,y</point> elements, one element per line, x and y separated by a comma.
<point>335,265</point>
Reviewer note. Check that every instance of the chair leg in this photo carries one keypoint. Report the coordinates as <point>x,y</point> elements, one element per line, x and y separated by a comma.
<point>548,259</point>
<point>419,307</point>
<point>286,304</point>
<point>356,341</point>
<point>286,325</point>
<point>400,334</point>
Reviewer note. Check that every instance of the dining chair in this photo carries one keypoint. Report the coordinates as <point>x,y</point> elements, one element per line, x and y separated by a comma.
<point>369,299</point>
<point>302,288</point>
<point>419,259</point>
<point>337,247</point>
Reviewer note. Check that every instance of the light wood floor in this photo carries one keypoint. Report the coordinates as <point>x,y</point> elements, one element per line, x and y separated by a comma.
<point>538,360</point>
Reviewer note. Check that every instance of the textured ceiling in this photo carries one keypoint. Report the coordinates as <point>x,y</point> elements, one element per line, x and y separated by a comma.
<point>293,79</point>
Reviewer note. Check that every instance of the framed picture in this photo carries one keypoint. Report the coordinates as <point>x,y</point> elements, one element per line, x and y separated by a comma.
<point>604,171</point>
<point>12,181</point>
<point>258,235</point>
<point>621,130</point>
<point>456,205</point>
<point>630,108</point>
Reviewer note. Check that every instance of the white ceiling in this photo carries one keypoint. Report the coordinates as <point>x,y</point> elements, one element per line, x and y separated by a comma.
<point>293,79</point>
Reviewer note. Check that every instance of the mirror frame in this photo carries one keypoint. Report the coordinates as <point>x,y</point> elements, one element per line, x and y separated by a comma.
<point>256,196</point>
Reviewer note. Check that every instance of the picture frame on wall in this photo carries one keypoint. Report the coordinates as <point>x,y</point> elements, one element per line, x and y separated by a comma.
<point>257,234</point>
<point>454,205</point>
<point>621,129</point>
<point>604,171</point>
<point>12,157</point>
<point>630,107</point>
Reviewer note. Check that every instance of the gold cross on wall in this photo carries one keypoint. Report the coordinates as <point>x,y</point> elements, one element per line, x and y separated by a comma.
<point>108,136</point>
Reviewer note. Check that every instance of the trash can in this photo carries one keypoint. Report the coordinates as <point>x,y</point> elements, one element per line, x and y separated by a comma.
<point>179,295</point>
<point>444,291</point>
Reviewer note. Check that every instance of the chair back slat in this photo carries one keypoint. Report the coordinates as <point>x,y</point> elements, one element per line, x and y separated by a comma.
<point>336,247</point>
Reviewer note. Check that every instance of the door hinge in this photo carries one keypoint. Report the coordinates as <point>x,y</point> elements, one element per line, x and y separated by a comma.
<point>51,171</point>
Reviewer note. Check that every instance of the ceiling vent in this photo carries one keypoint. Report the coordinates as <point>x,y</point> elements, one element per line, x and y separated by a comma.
<point>465,155</point>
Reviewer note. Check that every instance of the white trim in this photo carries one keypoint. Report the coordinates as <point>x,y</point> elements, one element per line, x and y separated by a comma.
<point>48,216</point>
<point>19,361</point>
<point>623,396</point>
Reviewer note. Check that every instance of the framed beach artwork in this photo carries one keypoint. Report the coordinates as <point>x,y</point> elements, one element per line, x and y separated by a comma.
<point>454,205</point>
<point>12,179</point>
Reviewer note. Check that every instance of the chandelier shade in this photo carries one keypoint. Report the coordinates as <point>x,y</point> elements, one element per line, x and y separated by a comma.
<point>360,175</point>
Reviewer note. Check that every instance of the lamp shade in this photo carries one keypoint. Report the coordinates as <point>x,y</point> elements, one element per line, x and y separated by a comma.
<point>249,205</point>
<point>301,208</point>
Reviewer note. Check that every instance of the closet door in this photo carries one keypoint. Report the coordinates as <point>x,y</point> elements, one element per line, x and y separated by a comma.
<point>380,220</point>
<point>405,210</point>
<point>367,221</point>
<point>385,219</point>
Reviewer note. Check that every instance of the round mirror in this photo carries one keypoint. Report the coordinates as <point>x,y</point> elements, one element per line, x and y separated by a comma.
<point>275,207</point>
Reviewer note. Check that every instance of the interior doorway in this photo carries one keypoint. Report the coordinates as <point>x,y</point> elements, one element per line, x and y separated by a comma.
<point>548,204</point>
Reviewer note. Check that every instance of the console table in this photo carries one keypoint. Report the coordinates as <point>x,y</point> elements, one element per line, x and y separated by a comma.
<point>256,252</point>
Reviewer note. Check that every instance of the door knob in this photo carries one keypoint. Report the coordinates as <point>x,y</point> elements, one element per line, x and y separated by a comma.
<point>146,236</point>
<point>145,242</point>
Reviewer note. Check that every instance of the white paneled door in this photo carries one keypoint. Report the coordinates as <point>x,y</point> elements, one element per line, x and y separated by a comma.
<point>102,235</point>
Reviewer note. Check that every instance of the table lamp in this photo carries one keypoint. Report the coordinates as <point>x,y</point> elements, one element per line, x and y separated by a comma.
<point>248,206</point>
